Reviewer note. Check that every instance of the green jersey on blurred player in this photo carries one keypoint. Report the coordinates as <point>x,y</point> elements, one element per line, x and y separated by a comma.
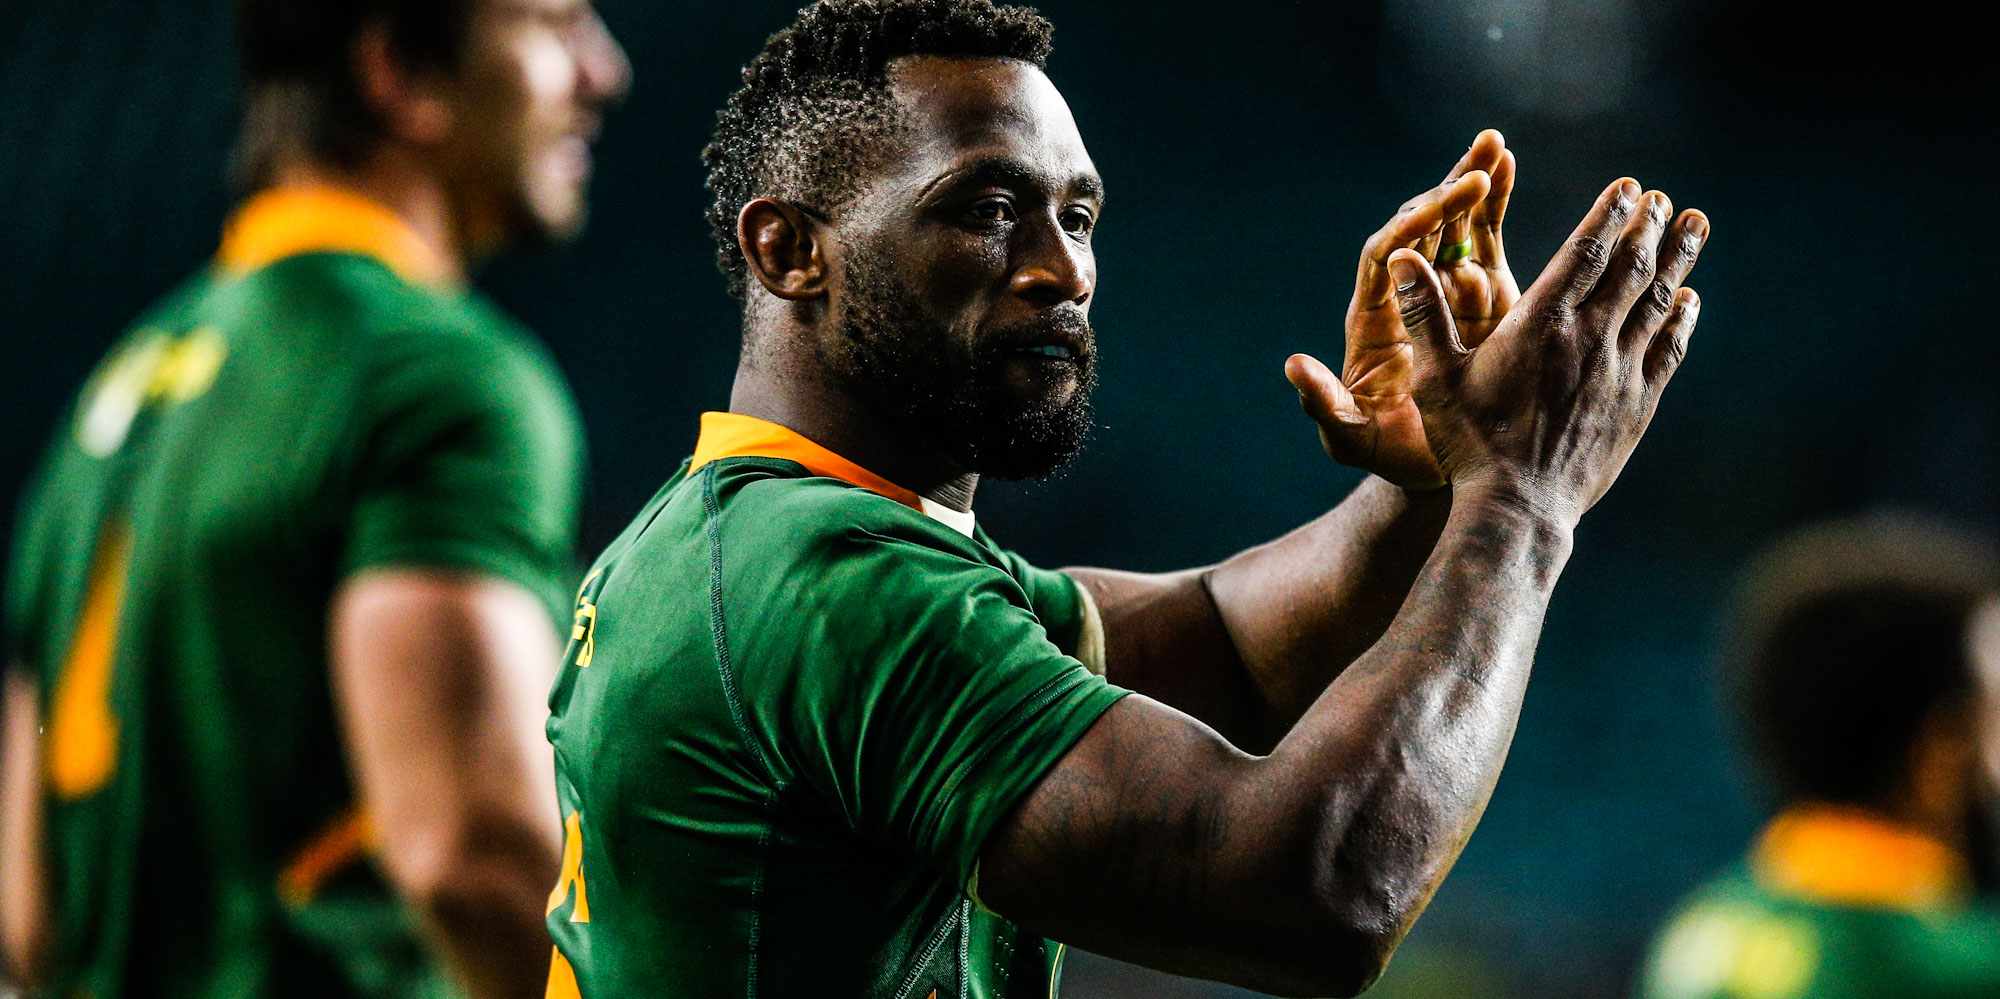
<point>280,603</point>
<point>1851,656</point>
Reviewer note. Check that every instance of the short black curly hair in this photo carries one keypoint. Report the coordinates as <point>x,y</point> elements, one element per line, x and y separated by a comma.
<point>1846,636</point>
<point>815,103</point>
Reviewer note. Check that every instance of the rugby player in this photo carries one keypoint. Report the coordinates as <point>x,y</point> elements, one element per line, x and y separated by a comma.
<point>1849,656</point>
<point>817,734</point>
<point>283,588</point>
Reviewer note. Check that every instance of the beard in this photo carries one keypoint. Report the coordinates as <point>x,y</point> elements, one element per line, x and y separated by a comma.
<point>962,398</point>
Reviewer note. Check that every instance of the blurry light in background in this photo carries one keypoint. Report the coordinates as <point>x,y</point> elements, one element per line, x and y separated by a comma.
<point>1561,60</point>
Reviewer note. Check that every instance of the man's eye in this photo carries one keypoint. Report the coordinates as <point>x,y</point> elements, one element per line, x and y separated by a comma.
<point>993,210</point>
<point>1078,220</point>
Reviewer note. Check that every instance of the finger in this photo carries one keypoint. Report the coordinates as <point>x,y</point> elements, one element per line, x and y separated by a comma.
<point>1484,154</point>
<point>1460,202</point>
<point>1488,150</point>
<point>1634,260</point>
<point>1670,344</point>
<point>1434,344</point>
<point>1321,393</point>
<point>1573,273</point>
<point>1677,256</point>
<point>1491,212</point>
<point>1421,219</point>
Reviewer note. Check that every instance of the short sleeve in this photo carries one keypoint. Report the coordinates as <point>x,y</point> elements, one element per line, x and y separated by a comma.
<point>1063,606</point>
<point>470,459</point>
<point>920,693</point>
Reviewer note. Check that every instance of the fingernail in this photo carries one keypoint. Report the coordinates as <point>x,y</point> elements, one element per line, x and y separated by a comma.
<point>1403,273</point>
<point>1628,192</point>
<point>1697,226</point>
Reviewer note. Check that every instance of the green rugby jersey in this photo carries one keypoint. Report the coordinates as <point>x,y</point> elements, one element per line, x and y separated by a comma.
<point>318,403</point>
<point>1833,904</point>
<point>793,707</point>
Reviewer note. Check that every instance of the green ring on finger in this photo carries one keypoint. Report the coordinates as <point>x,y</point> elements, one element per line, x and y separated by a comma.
<point>1454,252</point>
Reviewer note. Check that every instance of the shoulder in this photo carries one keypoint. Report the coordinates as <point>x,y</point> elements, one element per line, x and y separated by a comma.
<point>772,504</point>
<point>825,544</point>
<point>361,298</point>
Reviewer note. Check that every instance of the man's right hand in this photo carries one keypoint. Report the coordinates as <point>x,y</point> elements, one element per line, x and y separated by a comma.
<point>1546,411</point>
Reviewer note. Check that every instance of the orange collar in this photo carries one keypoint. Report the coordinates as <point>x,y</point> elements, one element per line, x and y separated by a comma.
<point>283,222</point>
<point>1849,857</point>
<point>733,435</point>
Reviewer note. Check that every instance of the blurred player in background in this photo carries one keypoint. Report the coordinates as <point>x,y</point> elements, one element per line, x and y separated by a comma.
<point>819,736</point>
<point>279,617</point>
<point>1849,653</point>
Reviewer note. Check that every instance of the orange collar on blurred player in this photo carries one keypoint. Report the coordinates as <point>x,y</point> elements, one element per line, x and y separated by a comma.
<point>292,221</point>
<point>1849,857</point>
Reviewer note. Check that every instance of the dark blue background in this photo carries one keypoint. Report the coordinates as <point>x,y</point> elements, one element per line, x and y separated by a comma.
<point>1843,358</point>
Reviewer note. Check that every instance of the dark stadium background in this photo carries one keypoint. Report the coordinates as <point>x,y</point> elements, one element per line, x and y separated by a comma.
<point>1844,358</point>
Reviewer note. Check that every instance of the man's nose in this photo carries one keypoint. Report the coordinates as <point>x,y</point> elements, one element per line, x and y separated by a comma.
<point>1053,267</point>
<point>604,74</point>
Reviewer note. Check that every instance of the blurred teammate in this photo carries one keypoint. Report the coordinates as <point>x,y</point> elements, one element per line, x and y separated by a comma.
<point>1849,651</point>
<point>819,736</point>
<point>281,601</point>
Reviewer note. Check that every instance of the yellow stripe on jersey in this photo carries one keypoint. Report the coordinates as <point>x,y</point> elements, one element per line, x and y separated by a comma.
<point>83,731</point>
<point>572,871</point>
<point>340,844</point>
<point>562,978</point>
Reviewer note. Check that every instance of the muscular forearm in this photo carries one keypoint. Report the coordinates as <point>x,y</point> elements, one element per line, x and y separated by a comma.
<point>1399,757</point>
<point>1296,873</point>
<point>1247,645</point>
<point>1300,609</point>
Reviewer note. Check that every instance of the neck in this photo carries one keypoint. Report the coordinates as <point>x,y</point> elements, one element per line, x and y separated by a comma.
<point>792,391</point>
<point>415,194</point>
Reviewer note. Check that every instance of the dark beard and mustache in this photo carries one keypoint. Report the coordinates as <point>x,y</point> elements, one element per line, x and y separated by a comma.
<point>957,398</point>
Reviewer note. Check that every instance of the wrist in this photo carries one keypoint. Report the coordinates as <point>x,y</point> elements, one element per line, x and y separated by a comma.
<point>1517,497</point>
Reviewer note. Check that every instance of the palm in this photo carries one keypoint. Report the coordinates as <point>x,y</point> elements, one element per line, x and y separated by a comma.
<point>1478,295</point>
<point>1368,418</point>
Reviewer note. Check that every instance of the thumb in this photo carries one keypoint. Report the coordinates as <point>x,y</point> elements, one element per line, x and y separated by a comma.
<point>1321,393</point>
<point>1434,343</point>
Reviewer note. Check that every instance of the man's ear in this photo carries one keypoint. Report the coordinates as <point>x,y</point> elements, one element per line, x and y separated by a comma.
<point>407,102</point>
<point>783,248</point>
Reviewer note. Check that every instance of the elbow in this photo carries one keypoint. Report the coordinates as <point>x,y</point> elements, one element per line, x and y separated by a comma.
<point>471,865</point>
<point>24,953</point>
<point>1359,962</point>
<point>1342,934</point>
<point>1342,960</point>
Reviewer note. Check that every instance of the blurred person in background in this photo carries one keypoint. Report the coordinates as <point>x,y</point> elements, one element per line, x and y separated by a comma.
<point>1849,655</point>
<point>286,594</point>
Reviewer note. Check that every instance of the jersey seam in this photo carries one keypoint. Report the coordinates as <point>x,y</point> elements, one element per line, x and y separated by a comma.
<point>964,950</point>
<point>930,950</point>
<point>718,626</point>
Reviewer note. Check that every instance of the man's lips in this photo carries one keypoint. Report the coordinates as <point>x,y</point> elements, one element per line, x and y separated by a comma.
<point>1063,339</point>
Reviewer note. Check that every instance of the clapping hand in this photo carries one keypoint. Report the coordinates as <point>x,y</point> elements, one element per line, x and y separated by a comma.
<point>1366,415</point>
<point>1546,410</point>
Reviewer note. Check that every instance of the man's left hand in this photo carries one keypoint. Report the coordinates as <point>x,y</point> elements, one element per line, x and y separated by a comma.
<point>1366,416</point>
